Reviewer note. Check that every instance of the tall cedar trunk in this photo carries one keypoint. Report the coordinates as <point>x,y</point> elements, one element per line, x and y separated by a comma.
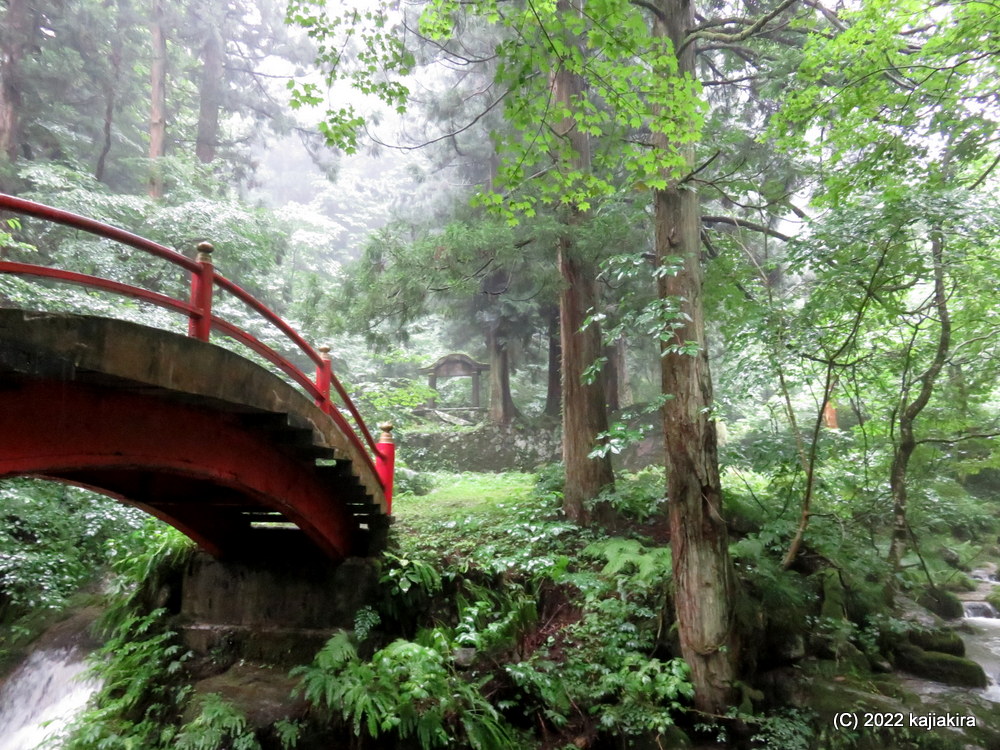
<point>14,40</point>
<point>209,97</point>
<point>502,408</point>
<point>704,580</point>
<point>584,411</point>
<point>158,99</point>
<point>110,91</point>
<point>909,410</point>
<point>553,391</point>
<point>703,575</point>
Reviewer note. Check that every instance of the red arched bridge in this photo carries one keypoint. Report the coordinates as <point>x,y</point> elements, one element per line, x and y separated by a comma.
<point>192,433</point>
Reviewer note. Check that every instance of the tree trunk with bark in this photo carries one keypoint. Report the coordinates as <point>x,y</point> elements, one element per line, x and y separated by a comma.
<point>110,95</point>
<point>14,40</point>
<point>209,94</point>
<point>502,409</point>
<point>584,409</point>
<point>584,412</point>
<point>158,100</point>
<point>553,390</point>
<point>703,574</point>
<point>908,410</point>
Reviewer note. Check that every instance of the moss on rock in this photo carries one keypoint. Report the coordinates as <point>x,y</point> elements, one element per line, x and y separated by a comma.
<point>942,603</point>
<point>834,597</point>
<point>944,668</point>
<point>944,640</point>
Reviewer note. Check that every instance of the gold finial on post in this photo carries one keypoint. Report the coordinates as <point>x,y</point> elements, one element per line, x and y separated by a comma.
<point>386,436</point>
<point>324,351</point>
<point>202,281</point>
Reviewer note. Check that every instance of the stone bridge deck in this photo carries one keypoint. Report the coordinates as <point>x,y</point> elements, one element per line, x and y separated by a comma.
<point>194,434</point>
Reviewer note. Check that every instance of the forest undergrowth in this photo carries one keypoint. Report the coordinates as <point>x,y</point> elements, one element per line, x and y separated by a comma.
<point>500,625</point>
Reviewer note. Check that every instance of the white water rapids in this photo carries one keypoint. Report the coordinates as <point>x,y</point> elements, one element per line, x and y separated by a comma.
<point>982,632</point>
<point>41,697</point>
<point>983,646</point>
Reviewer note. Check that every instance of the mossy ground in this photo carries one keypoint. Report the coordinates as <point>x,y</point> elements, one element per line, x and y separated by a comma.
<point>480,497</point>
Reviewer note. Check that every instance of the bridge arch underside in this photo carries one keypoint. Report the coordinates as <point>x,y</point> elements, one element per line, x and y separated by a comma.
<point>202,471</point>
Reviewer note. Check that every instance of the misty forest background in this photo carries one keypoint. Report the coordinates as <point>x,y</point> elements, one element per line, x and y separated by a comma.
<point>740,258</point>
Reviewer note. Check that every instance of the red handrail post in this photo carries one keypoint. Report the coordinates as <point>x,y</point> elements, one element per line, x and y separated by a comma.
<point>201,322</point>
<point>323,375</point>
<point>385,462</point>
<point>202,281</point>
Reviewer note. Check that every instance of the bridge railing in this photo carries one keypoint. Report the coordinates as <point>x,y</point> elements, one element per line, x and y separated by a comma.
<point>201,321</point>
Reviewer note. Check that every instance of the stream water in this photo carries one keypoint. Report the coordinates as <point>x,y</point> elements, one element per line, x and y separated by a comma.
<point>982,631</point>
<point>983,646</point>
<point>42,696</point>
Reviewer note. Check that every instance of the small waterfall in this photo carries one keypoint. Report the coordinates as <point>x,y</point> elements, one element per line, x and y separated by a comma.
<point>983,646</point>
<point>984,574</point>
<point>42,696</point>
<point>980,609</point>
<point>982,632</point>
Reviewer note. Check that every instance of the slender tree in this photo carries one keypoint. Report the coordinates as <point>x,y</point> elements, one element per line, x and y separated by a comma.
<point>209,94</point>
<point>158,98</point>
<point>16,34</point>
<point>111,86</point>
<point>907,89</point>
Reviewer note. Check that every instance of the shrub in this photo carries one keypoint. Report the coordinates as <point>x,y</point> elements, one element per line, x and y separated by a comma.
<point>407,689</point>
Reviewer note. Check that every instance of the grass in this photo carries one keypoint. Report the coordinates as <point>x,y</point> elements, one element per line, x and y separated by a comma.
<point>458,496</point>
<point>482,520</point>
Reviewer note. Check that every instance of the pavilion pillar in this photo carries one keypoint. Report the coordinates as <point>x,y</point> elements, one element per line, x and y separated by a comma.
<point>432,383</point>
<point>475,389</point>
